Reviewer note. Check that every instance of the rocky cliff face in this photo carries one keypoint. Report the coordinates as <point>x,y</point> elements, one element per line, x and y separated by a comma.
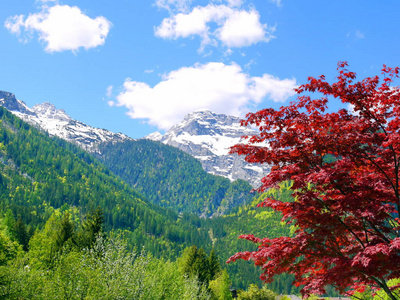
<point>208,137</point>
<point>56,122</point>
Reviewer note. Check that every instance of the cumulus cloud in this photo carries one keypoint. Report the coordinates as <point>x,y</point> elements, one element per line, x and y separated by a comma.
<point>61,27</point>
<point>216,86</point>
<point>235,27</point>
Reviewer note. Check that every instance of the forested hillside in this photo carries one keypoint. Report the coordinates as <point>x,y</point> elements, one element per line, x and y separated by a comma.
<point>50,189</point>
<point>171,178</point>
<point>250,219</point>
<point>39,173</point>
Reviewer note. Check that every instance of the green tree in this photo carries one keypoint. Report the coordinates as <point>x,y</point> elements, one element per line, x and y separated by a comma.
<point>220,286</point>
<point>21,233</point>
<point>255,293</point>
<point>214,266</point>
<point>91,228</point>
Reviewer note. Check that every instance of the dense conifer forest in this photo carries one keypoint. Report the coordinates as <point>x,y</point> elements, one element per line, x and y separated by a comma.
<point>171,178</point>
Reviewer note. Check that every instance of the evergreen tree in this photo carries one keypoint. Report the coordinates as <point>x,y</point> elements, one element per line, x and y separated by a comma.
<point>194,263</point>
<point>91,228</point>
<point>214,266</point>
<point>21,233</point>
<point>66,231</point>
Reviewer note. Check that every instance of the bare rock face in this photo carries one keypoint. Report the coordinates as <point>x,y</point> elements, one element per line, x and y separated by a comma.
<point>57,123</point>
<point>208,137</point>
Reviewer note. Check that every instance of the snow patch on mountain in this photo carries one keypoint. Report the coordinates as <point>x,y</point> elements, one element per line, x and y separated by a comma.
<point>57,123</point>
<point>208,137</point>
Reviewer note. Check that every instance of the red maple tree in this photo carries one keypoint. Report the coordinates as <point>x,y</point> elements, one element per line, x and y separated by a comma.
<point>344,169</point>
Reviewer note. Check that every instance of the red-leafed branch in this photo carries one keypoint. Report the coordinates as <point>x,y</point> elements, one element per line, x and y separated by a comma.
<point>344,170</point>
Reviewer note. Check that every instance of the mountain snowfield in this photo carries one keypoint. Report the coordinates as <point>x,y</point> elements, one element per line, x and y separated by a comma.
<point>203,134</point>
<point>208,137</point>
<point>56,122</point>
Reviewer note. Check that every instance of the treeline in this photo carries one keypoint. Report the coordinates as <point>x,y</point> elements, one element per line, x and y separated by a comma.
<point>172,178</point>
<point>73,258</point>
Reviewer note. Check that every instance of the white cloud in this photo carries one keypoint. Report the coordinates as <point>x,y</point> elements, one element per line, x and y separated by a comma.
<point>184,5</point>
<point>62,27</point>
<point>215,86</point>
<point>14,24</point>
<point>234,3</point>
<point>231,3</point>
<point>234,27</point>
<point>109,91</point>
<point>174,5</point>
<point>234,34</point>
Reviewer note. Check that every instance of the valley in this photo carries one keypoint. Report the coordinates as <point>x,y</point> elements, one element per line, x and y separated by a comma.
<point>156,196</point>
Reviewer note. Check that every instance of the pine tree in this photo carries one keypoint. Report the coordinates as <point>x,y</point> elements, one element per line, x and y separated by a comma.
<point>21,234</point>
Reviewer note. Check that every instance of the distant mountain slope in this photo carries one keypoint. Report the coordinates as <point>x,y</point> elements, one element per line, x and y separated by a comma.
<point>205,135</point>
<point>57,122</point>
<point>165,175</point>
<point>208,137</point>
<point>38,173</point>
<point>172,178</point>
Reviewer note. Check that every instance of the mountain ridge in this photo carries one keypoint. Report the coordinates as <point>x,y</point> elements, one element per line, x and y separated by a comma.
<point>57,123</point>
<point>208,137</point>
<point>205,135</point>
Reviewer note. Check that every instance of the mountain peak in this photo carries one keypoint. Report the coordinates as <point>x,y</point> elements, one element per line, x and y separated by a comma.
<point>49,111</point>
<point>207,114</point>
<point>155,136</point>
<point>208,136</point>
<point>56,122</point>
<point>9,101</point>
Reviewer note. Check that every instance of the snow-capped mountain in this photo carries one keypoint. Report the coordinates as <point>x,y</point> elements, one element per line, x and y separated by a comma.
<point>57,122</point>
<point>208,137</point>
<point>203,134</point>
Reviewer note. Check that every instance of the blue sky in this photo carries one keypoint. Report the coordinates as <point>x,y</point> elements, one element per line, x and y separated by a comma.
<point>140,66</point>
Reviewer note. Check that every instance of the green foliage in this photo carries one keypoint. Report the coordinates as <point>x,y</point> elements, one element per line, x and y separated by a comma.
<point>52,174</point>
<point>21,235</point>
<point>372,294</point>
<point>255,293</point>
<point>220,286</point>
<point>47,244</point>
<point>8,249</point>
<point>381,294</point>
<point>108,270</point>
<point>195,263</point>
<point>171,178</point>
<point>49,193</point>
<point>92,227</point>
<point>259,221</point>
